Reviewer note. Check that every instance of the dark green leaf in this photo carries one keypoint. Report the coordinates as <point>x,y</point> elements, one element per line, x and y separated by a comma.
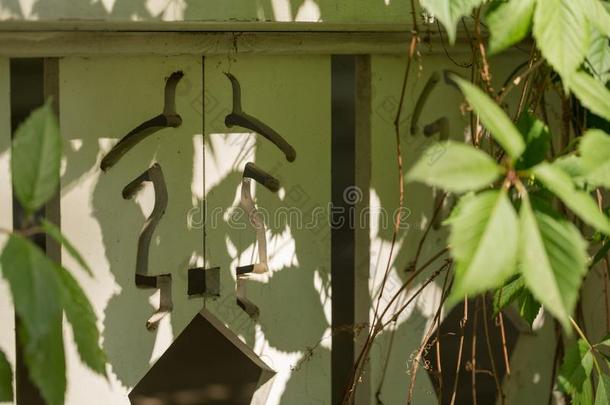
<point>36,158</point>
<point>529,308</point>
<point>583,205</point>
<point>507,293</point>
<point>461,168</point>
<point>576,368</point>
<point>83,320</point>
<point>602,397</point>
<point>483,243</point>
<point>6,379</point>
<point>46,362</point>
<point>600,254</point>
<point>552,259</point>
<point>509,22</point>
<point>494,119</point>
<point>537,140</point>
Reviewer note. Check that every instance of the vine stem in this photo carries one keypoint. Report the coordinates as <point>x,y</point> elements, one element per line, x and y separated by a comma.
<point>584,338</point>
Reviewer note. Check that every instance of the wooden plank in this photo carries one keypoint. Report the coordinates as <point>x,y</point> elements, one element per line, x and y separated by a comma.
<point>101,100</point>
<point>107,43</point>
<point>292,333</point>
<point>201,26</point>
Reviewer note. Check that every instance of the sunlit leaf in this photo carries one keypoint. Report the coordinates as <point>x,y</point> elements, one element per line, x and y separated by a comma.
<point>492,116</point>
<point>598,56</point>
<point>460,168</point>
<point>591,93</point>
<point>561,30</point>
<point>552,258</point>
<point>581,203</point>
<point>6,379</point>
<point>509,22</point>
<point>594,150</point>
<point>483,240</point>
<point>449,12</point>
<point>35,158</point>
<point>56,234</point>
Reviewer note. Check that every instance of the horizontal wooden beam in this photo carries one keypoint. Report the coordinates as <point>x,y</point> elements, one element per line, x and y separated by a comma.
<point>199,26</point>
<point>43,43</point>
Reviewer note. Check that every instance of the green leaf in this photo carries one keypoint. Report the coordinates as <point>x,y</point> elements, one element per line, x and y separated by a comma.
<point>584,397</point>
<point>46,361</point>
<point>36,296</point>
<point>560,184</point>
<point>594,150</point>
<point>598,56</point>
<point>537,140</point>
<point>561,30</point>
<point>571,165</point>
<point>461,168</point>
<point>6,379</point>
<point>509,23</point>
<point>602,397</point>
<point>592,94</point>
<point>598,14</point>
<point>449,12</point>
<point>552,258</point>
<point>601,254</point>
<point>36,158</point>
<point>83,320</point>
<point>492,116</point>
<point>576,368</point>
<point>483,240</point>
<point>507,293</point>
<point>529,307</point>
<point>33,285</point>
<point>51,229</point>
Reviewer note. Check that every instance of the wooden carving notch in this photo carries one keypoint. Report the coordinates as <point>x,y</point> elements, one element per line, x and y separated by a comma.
<point>162,282</point>
<point>204,282</point>
<point>252,271</point>
<point>238,117</point>
<point>169,118</point>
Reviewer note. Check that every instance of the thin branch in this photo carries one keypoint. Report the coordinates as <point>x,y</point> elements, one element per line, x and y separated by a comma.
<point>490,353</point>
<point>461,347</point>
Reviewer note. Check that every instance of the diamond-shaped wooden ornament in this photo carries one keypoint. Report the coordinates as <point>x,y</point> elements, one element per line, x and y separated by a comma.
<point>206,364</point>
